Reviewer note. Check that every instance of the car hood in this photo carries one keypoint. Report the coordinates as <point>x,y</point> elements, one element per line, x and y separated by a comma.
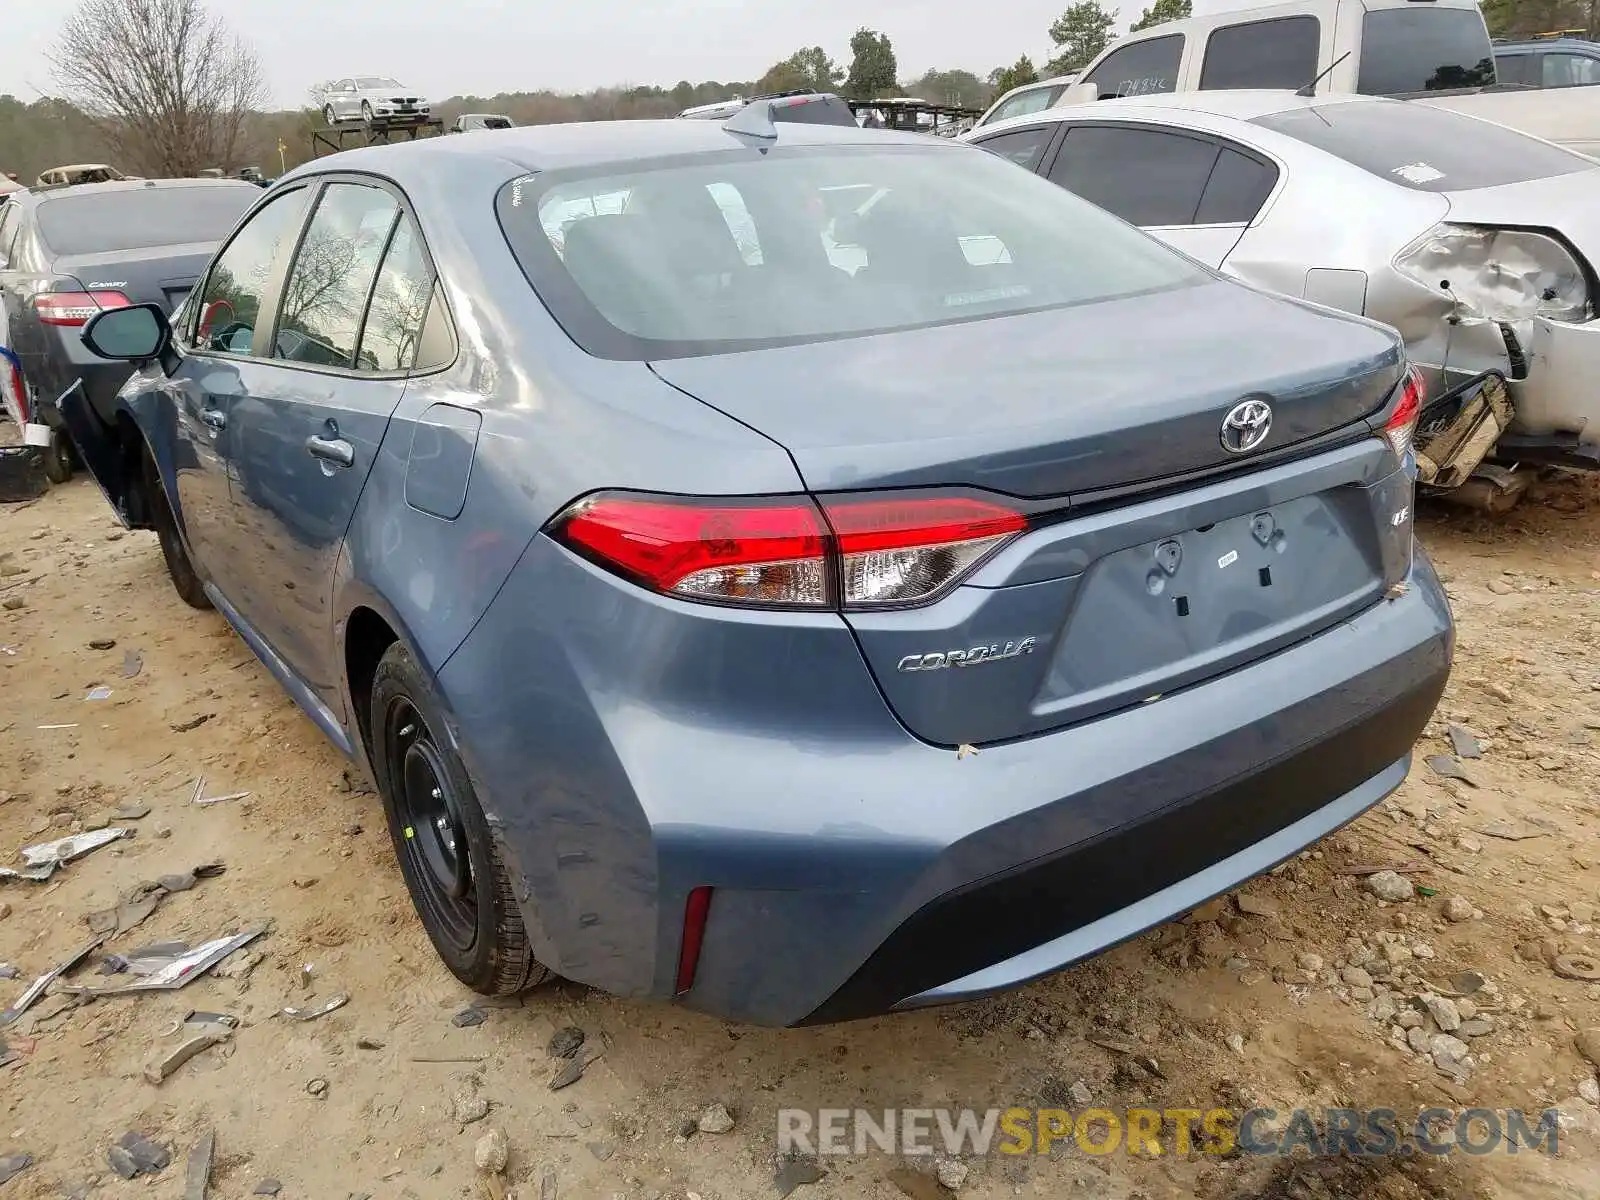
<point>1568,204</point>
<point>1051,403</point>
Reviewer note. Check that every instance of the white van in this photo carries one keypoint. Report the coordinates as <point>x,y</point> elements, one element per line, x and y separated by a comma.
<point>1434,51</point>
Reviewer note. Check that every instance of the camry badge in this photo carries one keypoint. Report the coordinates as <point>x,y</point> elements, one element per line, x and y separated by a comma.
<point>1246,426</point>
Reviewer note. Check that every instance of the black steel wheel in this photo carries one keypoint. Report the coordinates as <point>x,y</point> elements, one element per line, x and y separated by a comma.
<point>452,867</point>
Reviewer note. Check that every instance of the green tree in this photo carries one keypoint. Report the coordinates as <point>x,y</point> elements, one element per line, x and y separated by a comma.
<point>1003,79</point>
<point>1161,12</point>
<point>872,66</point>
<point>1524,18</point>
<point>1085,29</point>
<point>961,88</point>
<point>809,67</point>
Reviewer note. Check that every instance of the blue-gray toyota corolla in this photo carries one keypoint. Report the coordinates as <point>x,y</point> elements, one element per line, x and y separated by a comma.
<point>795,571</point>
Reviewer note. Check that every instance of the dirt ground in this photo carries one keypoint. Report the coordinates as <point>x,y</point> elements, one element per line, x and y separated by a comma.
<point>1285,1002</point>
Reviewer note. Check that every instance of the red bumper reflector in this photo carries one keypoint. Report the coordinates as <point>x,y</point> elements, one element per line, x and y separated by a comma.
<point>695,911</point>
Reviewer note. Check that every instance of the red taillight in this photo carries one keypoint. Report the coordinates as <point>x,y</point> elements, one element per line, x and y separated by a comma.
<point>1402,422</point>
<point>695,911</point>
<point>861,551</point>
<point>734,551</point>
<point>893,551</point>
<point>75,308</point>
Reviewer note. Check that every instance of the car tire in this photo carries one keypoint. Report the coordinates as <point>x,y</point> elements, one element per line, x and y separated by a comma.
<point>458,882</point>
<point>185,579</point>
<point>57,458</point>
<point>328,117</point>
<point>366,114</point>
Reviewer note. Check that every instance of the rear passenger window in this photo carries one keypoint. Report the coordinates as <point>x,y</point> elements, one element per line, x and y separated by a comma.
<point>325,294</point>
<point>1023,146</point>
<point>1140,68</point>
<point>1238,187</point>
<point>1145,176</point>
<point>399,305</point>
<point>1281,53</point>
<point>1570,70</point>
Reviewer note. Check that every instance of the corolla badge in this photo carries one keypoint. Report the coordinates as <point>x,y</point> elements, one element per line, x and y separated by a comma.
<point>975,656</point>
<point>1246,426</point>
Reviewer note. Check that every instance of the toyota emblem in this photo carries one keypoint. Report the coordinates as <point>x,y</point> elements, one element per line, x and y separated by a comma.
<point>1246,426</point>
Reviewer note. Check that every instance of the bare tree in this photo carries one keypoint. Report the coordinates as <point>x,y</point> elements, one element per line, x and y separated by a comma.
<point>169,86</point>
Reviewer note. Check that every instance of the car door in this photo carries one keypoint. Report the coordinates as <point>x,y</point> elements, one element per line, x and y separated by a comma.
<point>1161,180</point>
<point>215,338</point>
<point>345,103</point>
<point>327,381</point>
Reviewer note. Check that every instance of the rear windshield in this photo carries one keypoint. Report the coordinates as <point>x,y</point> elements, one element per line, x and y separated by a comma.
<point>107,222</point>
<point>739,249</point>
<point>1425,148</point>
<point>1423,50</point>
<point>497,122</point>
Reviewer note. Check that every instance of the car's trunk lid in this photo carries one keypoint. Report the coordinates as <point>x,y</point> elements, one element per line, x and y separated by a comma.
<point>158,275</point>
<point>1119,603</point>
<point>1053,403</point>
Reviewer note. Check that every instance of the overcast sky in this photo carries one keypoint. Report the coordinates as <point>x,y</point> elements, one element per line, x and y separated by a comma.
<point>481,47</point>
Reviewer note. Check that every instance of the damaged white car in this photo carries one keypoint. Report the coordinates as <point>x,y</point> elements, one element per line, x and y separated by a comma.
<point>1477,242</point>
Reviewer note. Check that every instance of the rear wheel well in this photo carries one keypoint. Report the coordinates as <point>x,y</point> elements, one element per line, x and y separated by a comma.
<point>367,636</point>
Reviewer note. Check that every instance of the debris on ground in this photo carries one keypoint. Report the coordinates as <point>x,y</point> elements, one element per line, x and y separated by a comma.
<point>267,1187</point>
<point>51,855</point>
<point>468,1104</point>
<point>190,726</point>
<point>12,1165</point>
<point>204,800</point>
<point>144,898</point>
<point>179,971</point>
<point>469,1017</point>
<point>36,989</point>
<point>715,1119</point>
<point>132,664</point>
<point>311,1012</point>
<point>317,1087</point>
<point>134,1155</point>
<point>574,1069</point>
<point>492,1152</point>
<point>1389,885</point>
<point>164,1063</point>
<point>1463,743</point>
<point>793,1173</point>
<point>565,1041</point>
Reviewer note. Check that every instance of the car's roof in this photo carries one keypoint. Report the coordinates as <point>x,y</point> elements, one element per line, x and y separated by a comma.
<point>1243,105</point>
<point>592,143</point>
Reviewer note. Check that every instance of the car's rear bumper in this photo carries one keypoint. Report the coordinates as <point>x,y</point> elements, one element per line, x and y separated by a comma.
<point>626,757</point>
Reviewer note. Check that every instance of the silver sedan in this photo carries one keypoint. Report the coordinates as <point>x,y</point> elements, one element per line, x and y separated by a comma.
<point>373,99</point>
<point>1478,243</point>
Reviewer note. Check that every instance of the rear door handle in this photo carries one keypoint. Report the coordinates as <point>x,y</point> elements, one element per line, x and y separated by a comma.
<point>334,450</point>
<point>215,418</point>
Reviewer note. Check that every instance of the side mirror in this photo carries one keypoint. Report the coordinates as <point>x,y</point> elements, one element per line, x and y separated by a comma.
<point>1078,93</point>
<point>135,334</point>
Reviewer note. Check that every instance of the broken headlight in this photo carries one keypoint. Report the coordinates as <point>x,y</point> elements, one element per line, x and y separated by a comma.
<point>1500,274</point>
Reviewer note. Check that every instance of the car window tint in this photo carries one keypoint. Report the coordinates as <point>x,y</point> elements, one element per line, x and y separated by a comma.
<point>1422,147</point>
<point>1022,146</point>
<point>1238,187</point>
<point>1423,49</point>
<point>1031,101</point>
<point>731,251</point>
<point>137,218</point>
<point>1144,176</point>
<point>1570,70</point>
<point>1281,53</point>
<point>1518,68</point>
<point>325,294</point>
<point>399,304</point>
<point>230,303</point>
<point>1140,68</point>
